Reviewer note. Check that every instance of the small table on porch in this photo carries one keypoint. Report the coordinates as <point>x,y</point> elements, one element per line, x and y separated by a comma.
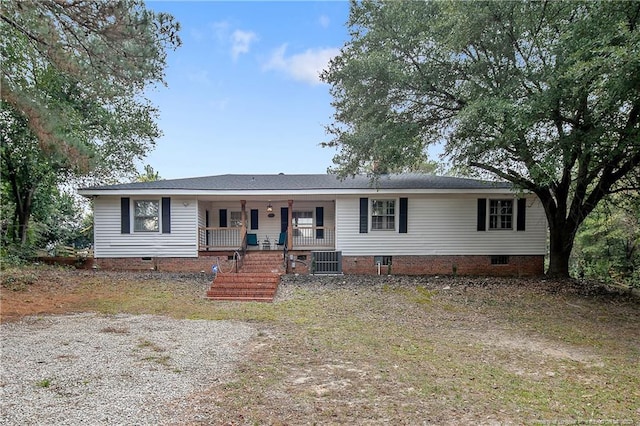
<point>266,245</point>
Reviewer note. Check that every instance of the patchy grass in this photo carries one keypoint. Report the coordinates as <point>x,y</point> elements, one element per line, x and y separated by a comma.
<point>17,279</point>
<point>44,383</point>
<point>146,344</point>
<point>411,355</point>
<point>433,351</point>
<point>115,330</point>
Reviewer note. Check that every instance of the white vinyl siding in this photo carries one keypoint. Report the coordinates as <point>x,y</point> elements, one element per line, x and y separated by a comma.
<point>109,242</point>
<point>441,225</point>
<point>437,224</point>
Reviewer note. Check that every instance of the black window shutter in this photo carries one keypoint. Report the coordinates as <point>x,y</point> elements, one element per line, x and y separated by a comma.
<point>125,217</point>
<point>166,215</point>
<point>320,222</point>
<point>223,218</point>
<point>402,226</point>
<point>482,214</point>
<point>254,218</point>
<point>522,214</point>
<point>284,219</point>
<point>364,215</point>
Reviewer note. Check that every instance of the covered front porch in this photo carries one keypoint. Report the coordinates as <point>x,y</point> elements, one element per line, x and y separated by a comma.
<point>265,224</point>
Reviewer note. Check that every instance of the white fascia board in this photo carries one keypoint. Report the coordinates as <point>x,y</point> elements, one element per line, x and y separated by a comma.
<point>279,192</point>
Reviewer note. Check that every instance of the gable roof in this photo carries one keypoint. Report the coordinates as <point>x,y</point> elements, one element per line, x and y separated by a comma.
<point>298,182</point>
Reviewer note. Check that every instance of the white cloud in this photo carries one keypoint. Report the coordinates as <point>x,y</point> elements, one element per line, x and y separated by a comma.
<point>305,67</point>
<point>241,42</point>
<point>221,31</point>
<point>324,21</point>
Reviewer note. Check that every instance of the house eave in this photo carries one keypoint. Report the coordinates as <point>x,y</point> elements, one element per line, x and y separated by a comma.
<point>89,193</point>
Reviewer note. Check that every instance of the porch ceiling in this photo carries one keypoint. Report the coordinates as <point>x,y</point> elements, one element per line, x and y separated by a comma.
<point>264,198</point>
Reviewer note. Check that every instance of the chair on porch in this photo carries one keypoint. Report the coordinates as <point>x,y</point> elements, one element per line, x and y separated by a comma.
<point>282,239</point>
<point>252,240</point>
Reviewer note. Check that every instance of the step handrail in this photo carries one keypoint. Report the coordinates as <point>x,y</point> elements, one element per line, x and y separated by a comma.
<point>237,259</point>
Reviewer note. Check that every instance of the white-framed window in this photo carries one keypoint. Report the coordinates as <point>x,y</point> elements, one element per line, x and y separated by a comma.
<point>501,214</point>
<point>146,216</point>
<point>383,215</point>
<point>235,219</point>
<point>302,223</point>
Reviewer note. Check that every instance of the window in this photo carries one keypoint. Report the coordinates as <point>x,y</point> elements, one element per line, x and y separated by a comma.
<point>383,215</point>
<point>301,220</point>
<point>146,216</point>
<point>235,220</point>
<point>500,214</point>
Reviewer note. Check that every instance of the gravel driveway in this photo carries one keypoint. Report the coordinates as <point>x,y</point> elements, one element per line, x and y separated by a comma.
<point>123,369</point>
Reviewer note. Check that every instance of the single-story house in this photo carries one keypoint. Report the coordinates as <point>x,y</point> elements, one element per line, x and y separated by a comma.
<point>403,224</point>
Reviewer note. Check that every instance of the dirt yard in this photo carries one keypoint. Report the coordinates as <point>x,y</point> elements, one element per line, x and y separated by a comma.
<point>388,350</point>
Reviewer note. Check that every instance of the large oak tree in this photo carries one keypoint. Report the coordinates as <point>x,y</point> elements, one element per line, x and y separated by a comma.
<point>543,94</point>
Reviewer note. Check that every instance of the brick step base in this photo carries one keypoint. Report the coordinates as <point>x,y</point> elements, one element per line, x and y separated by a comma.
<point>257,280</point>
<point>218,294</point>
<point>248,277</point>
<point>242,299</point>
<point>241,295</point>
<point>244,287</point>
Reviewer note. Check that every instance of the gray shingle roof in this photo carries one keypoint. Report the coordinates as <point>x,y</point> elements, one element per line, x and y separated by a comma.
<point>298,182</point>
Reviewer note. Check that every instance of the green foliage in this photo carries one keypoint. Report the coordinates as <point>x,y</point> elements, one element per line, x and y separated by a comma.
<point>149,175</point>
<point>545,95</point>
<point>35,210</point>
<point>608,243</point>
<point>78,70</point>
<point>44,383</point>
<point>73,105</point>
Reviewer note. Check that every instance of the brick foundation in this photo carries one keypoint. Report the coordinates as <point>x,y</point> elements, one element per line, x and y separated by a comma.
<point>446,265</point>
<point>165,264</point>
<point>519,266</point>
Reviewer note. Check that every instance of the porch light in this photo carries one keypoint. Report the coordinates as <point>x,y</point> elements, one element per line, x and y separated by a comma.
<point>270,210</point>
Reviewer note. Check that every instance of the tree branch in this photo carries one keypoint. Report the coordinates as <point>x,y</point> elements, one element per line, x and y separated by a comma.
<point>24,31</point>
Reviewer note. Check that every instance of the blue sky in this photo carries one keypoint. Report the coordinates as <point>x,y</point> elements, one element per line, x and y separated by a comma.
<point>243,91</point>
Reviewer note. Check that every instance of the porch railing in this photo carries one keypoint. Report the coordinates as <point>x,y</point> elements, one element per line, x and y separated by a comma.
<point>219,238</point>
<point>210,238</point>
<point>313,236</point>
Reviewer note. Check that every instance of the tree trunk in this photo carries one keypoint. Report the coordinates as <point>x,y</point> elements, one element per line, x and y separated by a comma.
<point>23,216</point>
<point>558,257</point>
<point>561,238</point>
<point>23,198</point>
